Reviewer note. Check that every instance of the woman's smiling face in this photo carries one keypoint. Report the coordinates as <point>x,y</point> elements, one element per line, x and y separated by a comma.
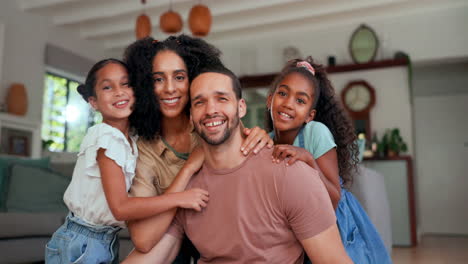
<point>171,83</point>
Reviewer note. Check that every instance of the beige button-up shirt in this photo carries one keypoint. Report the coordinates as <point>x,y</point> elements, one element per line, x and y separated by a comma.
<point>157,166</point>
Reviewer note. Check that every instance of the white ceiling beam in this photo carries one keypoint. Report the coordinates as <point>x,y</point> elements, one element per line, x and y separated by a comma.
<point>320,18</point>
<point>30,5</point>
<point>126,12</point>
<point>217,9</point>
<point>118,10</point>
<point>339,19</point>
<point>276,14</point>
<point>296,12</point>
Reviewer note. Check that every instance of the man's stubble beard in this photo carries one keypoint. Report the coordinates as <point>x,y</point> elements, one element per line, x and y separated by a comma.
<point>226,135</point>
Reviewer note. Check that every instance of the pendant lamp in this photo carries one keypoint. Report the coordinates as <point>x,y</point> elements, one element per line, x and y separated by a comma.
<point>143,25</point>
<point>200,20</point>
<point>170,22</point>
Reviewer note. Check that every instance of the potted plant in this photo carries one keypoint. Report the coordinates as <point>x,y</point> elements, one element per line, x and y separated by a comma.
<point>394,142</point>
<point>382,146</point>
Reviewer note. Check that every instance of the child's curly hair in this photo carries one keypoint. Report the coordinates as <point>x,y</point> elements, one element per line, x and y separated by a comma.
<point>329,112</point>
<point>195,52</point>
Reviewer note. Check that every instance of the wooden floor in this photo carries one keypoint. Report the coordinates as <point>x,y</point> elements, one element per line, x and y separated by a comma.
<point>434,249</point>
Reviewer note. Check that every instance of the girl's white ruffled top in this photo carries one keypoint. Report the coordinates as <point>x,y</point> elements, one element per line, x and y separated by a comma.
<point>85,196</point>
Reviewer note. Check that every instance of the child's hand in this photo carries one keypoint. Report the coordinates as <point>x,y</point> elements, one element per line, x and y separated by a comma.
<point>195,160</point>
<point>195,199</point>
<point>257,139</point>
<point>282,152</point>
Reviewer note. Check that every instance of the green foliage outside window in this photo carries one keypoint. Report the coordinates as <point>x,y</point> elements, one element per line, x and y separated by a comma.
<point>65,115</point>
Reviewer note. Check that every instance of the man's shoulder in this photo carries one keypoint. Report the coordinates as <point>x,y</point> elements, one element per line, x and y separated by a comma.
<point>263,161</point>
<point>264,153</point>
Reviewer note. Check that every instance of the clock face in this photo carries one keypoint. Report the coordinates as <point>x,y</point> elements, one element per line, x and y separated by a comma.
<point>358,98</point>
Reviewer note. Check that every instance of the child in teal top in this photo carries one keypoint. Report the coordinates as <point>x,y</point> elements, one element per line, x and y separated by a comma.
<point>302,93</point>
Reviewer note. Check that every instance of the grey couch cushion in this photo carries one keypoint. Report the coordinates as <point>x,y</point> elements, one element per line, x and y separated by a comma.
<point>65,168</point>
<point>29,224</point>
<point>35,189</point>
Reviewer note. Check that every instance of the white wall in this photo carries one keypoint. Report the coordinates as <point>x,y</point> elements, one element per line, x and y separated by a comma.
<point>425,35</point>
<point>392,108</point>
<point>25,38</point>
<point>441,125</point>
<point>2,31</point>
<point>442,163</point>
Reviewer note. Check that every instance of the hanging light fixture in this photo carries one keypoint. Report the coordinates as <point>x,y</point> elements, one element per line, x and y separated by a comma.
<point>170,22</point>
<point>143,25</point>
<point>200,20</point>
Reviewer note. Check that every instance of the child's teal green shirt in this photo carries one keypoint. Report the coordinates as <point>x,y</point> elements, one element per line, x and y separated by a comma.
<point>319,139</point>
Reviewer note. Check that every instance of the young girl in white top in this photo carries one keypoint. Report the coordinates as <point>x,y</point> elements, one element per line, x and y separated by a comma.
<point>97,195</point>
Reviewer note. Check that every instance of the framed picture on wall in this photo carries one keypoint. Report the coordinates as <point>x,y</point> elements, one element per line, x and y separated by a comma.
<point>19,145</point>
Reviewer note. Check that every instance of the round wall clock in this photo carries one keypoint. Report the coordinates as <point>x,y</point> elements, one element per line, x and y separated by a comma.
<point>363,44</point>
<point>358,98</point>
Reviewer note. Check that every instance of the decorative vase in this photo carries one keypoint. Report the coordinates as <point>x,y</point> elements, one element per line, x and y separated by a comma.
<point>17,99</point>
<point>170,22</point>
<point>200,20</point>
<point>143,26</point>
<point>391,153</point>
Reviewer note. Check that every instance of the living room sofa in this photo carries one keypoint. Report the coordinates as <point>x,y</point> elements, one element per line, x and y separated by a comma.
<point>32,208</point>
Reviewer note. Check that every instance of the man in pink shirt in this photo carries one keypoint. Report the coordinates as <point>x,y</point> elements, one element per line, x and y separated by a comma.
<point>259,211</point>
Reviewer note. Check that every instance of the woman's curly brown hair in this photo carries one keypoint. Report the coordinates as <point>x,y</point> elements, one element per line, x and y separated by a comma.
<point>329,112</point>
<point>196,54</point>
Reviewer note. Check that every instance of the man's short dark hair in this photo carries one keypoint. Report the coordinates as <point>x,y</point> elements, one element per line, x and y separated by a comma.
<point>236,86</point>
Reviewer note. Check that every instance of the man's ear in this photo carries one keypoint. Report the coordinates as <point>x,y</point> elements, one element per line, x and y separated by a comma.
<point>242,108</point>
<point>311,116</point>
<point>93,102</point>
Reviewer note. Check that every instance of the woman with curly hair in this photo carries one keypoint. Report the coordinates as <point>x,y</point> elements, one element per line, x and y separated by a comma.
<point>161,72</point>
<point>309,124</point>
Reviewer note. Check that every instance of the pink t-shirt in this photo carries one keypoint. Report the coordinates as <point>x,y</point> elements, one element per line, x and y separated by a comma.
<point>257,213</point>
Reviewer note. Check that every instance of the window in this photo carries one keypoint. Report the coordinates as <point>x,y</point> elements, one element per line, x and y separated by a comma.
<point>256,107</point>
<point>65,115</point>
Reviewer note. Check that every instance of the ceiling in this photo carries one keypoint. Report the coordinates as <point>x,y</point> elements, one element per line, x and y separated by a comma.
<point>112,22</point>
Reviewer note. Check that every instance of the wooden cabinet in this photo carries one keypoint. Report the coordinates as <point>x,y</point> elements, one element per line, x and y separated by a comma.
<point>398,174</point>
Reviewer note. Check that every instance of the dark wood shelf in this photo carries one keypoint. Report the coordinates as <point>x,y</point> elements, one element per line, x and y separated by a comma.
<point>368,66</point>
<point>400,157</point>
<point>265,80</point>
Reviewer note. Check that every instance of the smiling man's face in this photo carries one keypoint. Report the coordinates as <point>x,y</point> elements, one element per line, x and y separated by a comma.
<point>215,109</point>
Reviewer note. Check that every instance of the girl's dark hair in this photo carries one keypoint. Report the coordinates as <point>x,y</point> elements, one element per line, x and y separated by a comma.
<point>87,89</point>
<point>196,54</point>
<point>329,112</point>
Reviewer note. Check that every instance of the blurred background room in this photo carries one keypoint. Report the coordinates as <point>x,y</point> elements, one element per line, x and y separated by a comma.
<point>400,67</point>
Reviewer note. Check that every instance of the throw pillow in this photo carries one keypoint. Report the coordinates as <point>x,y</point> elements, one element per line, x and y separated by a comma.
<point>5,162</point>
<point>34,189</point>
